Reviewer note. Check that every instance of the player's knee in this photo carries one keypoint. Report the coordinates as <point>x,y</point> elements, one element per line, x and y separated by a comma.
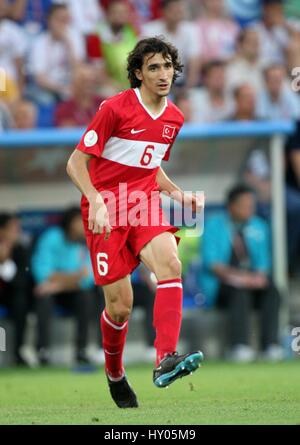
<point>173,267</point>
<point>120,312</point>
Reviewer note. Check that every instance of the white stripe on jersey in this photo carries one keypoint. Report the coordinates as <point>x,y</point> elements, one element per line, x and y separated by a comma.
<point>131,153</point>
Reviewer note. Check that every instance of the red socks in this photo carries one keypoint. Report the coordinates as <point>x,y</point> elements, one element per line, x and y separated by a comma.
<point>167,316</point>
<point>113,340</point>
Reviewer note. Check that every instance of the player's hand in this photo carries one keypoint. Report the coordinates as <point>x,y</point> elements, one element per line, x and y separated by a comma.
<point>99,219</point>
<point>194,200</point>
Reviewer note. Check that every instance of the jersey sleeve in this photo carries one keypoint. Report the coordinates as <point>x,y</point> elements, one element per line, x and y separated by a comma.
<point>99,131</point>
<point>179,119</point>
<point>168,152</point>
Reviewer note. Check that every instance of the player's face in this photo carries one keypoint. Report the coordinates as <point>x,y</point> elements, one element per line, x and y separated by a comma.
<point>156,74</point>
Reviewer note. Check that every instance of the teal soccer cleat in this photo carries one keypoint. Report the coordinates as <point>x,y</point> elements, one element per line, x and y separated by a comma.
<point>174,366</point>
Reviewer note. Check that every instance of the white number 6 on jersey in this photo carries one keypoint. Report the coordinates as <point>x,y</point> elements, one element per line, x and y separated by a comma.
<point>102,265</point>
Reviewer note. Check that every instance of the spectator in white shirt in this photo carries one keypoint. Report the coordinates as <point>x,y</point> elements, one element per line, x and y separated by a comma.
<point>211,103</point>
<point>217,33</point>
<point>279,37</point>
<point>12,48</point>
<point>277,100</point>
<point>54,55</point>
<point>246,67</point>
<point>85,15</point>
<point>180,33</point>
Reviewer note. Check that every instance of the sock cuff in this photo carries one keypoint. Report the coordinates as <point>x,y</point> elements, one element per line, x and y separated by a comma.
<point>175,282</point>
<point>114,324</point>
<point>115,379</point>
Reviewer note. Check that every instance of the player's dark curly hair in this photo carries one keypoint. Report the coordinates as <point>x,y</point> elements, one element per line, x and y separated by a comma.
<point>155,45</point>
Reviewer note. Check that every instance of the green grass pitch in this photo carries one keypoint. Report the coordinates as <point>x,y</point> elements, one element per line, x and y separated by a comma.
<point>218,393</point>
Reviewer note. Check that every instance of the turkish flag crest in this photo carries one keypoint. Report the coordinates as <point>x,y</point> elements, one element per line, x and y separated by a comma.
<point>168,131</point>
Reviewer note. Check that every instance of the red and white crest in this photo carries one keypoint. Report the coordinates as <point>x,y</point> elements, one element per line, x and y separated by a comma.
<point>168,131</point>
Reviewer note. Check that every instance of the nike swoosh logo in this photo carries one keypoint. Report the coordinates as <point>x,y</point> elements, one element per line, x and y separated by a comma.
<point>133,131</point>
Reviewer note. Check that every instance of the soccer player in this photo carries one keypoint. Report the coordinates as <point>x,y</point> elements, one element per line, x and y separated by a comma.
<point>121,151</point>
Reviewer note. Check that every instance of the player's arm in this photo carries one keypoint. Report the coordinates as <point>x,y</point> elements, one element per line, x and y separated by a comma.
<point>77,169</point>
<point>169,188</point>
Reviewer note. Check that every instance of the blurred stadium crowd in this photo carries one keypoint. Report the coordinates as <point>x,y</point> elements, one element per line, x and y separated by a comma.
<point>59,60</point>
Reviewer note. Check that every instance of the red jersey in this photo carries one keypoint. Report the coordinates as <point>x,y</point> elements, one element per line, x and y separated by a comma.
<point>128,143</point>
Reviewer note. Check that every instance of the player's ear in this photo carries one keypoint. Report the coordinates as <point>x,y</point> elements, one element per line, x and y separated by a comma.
<point>138,74</point>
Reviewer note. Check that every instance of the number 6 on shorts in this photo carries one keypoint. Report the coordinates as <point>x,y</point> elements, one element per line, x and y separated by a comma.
<point>102,265</point>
